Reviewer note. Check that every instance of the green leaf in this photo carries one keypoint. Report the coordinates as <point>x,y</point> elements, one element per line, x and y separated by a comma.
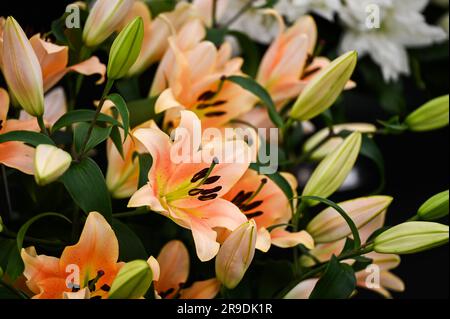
<point>254,87</point>
<point>250,53</point>
<point>78,116</point>
<point>370,150</point>
<point>121,106</point>
<point>145,163</point>
<point>216,36</point>
<point>85,183</point>
<point>158,6</point>
<point>23,230</point>
<point>117,140</point>
<point>338,282</point>
<point>361,263</point>
<point>130,246</point>
<point>28,137</point>
<point>98,135</point>
<point>141,110</point>
<point>10,260</point>
<point>348,246</point>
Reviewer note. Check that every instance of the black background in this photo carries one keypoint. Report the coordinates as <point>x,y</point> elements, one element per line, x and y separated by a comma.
<point>416,164</point>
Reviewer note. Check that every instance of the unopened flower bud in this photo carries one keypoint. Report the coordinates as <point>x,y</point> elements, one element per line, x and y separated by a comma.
<point>334,168</point>
<point>104,18</point>
<point>125,49</point>
<point>50,162</point>
<point>132,281</point>
<point>323,90</point>
<point>329,225</point>
<point>22,70</point>
<point>434,208</point>
<point>432,115</point>
<point>411,237</point>
<point>236,255</point>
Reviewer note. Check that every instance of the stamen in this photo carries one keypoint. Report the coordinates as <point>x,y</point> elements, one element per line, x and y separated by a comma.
<point>105,287</point>
<point>211,180</point>
<point>310,72</point>
<point>195,191</point>
<point>252,206</point>
<point>261,185</point>
<point>198,176</point>
<point>164,294</point>
<point>215,114</point>
<point>92,282</point>
<point>241,197</point>
<point>205,96</point>
<point>211,191</point>
<point>1,124</point>
<point>255,214</point>
<point>205,198</point>
<point>204,106</point>
<point>75,288</point>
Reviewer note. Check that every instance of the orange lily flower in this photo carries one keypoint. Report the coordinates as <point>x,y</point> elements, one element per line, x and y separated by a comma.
<point>15,154</point>
<point>193,71</point>
<point>259,198</point>
<point>122,175</point>
<point>385,262</point>
<point>157,31</point>
<point>173,263</point>
<point>288,65</point>
<point>54,59</point>
<point>190,192</point>
<point>94,256</point>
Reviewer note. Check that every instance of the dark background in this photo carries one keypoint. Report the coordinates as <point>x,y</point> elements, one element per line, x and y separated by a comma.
<point>416,164</point>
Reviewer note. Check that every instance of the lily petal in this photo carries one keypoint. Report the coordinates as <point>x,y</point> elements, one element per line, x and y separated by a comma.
<point>206,289</point>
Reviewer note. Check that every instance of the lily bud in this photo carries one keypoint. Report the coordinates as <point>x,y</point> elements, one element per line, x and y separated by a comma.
<point>334,168</point>
<point>22,70</point>
<point>332,143</point>
<point>50,162</point>
<point>323,90</point>
<point>125,49</point>
<point>434,208</point>
<point>104,18</point>
<point>132,281</point>
<point>236,255</point>
<point>411,237</point>
<point>329,225</point>
<point>430,116</point>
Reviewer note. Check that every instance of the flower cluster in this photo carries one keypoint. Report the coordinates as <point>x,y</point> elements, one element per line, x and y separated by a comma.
<point>183,132</point>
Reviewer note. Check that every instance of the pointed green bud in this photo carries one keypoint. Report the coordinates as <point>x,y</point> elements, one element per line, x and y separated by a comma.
<point>334,168</point>
<point>125,49</point>
<point>324,89</point>
<point>431,116</point>
<point>132,281</point>
<point>434,208</point>
<point>411,237</point>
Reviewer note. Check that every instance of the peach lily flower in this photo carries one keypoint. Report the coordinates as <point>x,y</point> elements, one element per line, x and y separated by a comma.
<point>259,198</point>
<point>54,59</point>
<point>385,262</point>
<point>157,31</point>
<point>173,261</point>
<point>288,65</point>
<point>15,154</point>
<point>193,71</point>
<point>95,256</point>
<point>190,191</point>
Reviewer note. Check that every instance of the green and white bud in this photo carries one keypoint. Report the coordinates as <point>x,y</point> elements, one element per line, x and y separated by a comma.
<point>132,281</point>
<point>431,116</point>
<point>434,208</point>
<point>50,162</point>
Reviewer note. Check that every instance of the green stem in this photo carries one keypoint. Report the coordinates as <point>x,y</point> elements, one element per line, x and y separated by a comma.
<point>40,120</point>
<point>414,218</point>
<point>214,14</point>
<point>105,93</point>
<point>16,292</point>
<point>238,14</point>
<point>6,187</point>
<point>9,234</point>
